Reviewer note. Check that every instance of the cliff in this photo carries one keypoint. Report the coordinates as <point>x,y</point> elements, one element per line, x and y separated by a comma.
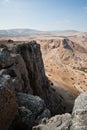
<point>26,97</point>
<point>22,80</point>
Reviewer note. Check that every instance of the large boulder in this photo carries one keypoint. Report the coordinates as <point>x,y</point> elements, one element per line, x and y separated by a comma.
<point>33,103</point>
<point>31,110</point>
<point>79,115</point>
<point>76,121</point>
<point>8,102</point>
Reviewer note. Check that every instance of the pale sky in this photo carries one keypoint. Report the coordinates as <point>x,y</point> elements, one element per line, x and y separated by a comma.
<point>44,14</point>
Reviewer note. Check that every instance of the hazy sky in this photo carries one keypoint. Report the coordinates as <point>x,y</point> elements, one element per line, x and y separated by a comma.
<point>44,14</point>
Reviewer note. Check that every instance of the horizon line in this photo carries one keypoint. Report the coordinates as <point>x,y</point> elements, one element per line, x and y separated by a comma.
<point>21,28</point>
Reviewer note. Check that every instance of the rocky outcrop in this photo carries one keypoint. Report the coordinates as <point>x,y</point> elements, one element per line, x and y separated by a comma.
<point>79,115</point>
<point>23,63</point>
<point>32,57</point>
<point>76,121</point>
<point>58,122</point>
<point>8,101</point>
<point>12,64</point>
<point>39,83</point>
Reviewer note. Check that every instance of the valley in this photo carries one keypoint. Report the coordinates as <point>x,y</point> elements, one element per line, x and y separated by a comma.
<point>65,62</point>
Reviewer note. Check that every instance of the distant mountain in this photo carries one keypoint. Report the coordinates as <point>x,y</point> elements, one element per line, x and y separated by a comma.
<point>28,32</point>
<point>64,31</point>
<point>18,32</point>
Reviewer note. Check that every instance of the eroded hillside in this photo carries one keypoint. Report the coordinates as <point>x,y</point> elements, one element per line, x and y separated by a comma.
<point>66,63</point>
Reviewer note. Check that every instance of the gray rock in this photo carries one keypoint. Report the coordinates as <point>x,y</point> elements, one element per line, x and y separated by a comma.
<point>33,103</point>
<point>76,121</point>
<point>58,122</point>
<point>31,110</point>
<point>79,115</point>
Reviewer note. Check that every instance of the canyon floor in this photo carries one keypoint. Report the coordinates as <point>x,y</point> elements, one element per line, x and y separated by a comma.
<point>65,62</point>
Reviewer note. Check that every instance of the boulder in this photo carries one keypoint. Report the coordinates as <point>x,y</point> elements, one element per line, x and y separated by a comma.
<point>76,121</point>
<point>58,122</point>
<point>33,103</point>
<point>79,115</point>
<point>31,110</point>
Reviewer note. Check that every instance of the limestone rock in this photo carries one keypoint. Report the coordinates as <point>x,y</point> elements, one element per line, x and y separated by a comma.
<point>76,121</point>
<point>79,115</point>
<point>58,122</point>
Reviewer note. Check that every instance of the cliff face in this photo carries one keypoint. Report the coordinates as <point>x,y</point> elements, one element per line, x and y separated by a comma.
<point>22,62</point>
<point>32,73</point>
<point>32,58</point>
